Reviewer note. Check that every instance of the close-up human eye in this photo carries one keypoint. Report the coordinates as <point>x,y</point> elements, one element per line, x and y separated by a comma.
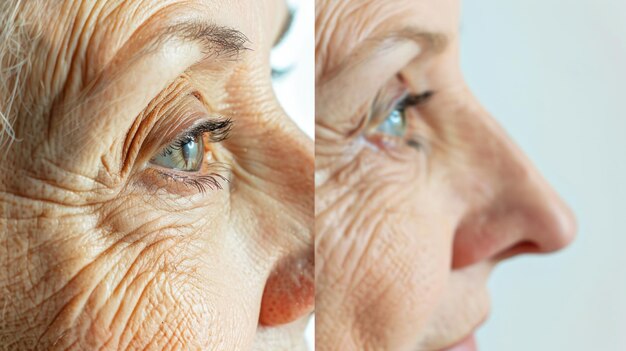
<point>183,149</point>
<point>188,152</point>
<point>395,121</point>
<point>394,116</point>
<point>185,154</point>
<point>191,160</point>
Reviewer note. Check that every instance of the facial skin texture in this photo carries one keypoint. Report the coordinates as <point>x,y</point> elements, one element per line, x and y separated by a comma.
<point>100,249</point>
<point>406,236</point>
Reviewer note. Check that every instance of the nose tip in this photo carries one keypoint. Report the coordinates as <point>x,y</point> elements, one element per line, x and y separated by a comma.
<point>289,292</point>
<point>560,227</point>
<point>526,216</point>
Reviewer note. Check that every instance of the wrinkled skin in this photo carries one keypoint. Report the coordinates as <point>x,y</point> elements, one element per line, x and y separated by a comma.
<point>98,250</point>
<point>406,235</point>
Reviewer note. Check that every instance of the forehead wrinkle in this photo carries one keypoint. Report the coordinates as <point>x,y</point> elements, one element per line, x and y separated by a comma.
<point>90,34</point>
<point>346,31</point>
<point>343,25</point>
<point>428,42</point>
<point>113,52</point>
<point>105,29</point>
<point>116,24</point>
<point>77,40</point>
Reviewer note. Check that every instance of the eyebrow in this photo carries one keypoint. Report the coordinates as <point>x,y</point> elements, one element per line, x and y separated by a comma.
<point>117,82</point>
<point>216,41</point>
<point>429,42</point>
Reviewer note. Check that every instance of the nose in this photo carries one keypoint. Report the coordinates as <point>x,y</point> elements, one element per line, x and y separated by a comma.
<point>512,210</point>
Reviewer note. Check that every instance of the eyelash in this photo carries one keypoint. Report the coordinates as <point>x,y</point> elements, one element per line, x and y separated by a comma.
<point>411,100</point>
<point>401,104</point>
<point>202,183</point>
<point>218,130</point>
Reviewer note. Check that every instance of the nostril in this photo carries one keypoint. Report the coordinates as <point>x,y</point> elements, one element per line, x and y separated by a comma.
<point>524,247</point>
<point>289,292</point>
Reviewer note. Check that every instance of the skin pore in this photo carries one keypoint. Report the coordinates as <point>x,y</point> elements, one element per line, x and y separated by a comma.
<point>409,225</point>
<point>101,247</point>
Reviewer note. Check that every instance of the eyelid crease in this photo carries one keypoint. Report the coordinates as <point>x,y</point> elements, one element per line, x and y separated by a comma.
<point>138,133</point>
<point>389,97</point>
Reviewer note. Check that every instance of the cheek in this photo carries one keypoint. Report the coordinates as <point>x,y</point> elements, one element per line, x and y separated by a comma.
<point>389,242</point>
<point>151,278</point>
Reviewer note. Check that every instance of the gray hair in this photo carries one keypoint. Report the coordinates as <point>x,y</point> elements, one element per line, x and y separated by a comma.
<point>18,28</point>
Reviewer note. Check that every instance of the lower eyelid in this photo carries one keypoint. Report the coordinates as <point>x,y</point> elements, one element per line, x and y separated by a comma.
<point>185,184</point>
<point>202,183</point>
<point>213,175</point>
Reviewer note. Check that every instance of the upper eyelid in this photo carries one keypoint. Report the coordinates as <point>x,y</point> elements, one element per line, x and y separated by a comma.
<point>417,99</point>
<point>217,123</point>
<point>386,100</point>
<point>219,128</point>
<point>162,123</point>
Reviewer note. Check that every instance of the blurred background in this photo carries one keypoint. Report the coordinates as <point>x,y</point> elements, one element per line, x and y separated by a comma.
<point>554,74</point>
<point>294,84</point>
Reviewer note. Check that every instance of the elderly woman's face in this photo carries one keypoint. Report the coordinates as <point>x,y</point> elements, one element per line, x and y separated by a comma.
<point>419,194</point>
<point>157,196</point>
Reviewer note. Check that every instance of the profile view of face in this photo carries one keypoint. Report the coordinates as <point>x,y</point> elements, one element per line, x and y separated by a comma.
<point>419,193</point>
<point>155,195</point>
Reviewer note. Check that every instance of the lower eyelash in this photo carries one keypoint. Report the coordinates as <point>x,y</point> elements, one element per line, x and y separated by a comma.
<point>202,183</point>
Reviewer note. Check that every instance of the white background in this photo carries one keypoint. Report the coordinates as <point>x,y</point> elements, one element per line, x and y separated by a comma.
<point>554,74</point>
